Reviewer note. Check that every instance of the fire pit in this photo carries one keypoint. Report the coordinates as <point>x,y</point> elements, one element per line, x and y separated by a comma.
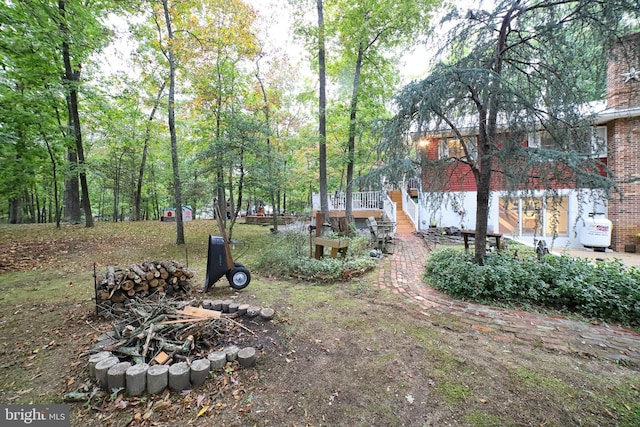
<point>165,342</point>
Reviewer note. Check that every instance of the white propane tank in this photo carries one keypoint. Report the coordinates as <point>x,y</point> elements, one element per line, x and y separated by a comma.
<point>596,232</point>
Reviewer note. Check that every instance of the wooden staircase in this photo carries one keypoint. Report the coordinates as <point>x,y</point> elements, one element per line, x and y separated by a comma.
<point>403,222</point>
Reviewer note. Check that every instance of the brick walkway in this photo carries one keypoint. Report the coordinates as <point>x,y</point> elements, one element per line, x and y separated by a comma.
<point>401,273</point>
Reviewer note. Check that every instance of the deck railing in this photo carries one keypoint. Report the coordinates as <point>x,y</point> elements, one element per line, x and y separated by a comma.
<point>361,200</point>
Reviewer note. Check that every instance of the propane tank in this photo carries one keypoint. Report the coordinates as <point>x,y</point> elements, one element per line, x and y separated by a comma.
<point>596,231</point>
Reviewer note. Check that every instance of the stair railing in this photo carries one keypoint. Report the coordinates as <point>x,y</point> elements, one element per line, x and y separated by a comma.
<point>410,208</point>
<point>389,209</point>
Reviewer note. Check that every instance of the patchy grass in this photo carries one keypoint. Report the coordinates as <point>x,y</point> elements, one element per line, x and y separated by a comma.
<point>454,393</point>
<point>345,353</point>
<point>47,285</point>
<point>479,418</point>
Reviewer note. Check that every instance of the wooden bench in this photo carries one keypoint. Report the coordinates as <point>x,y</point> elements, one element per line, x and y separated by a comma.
<point>337,246</point>
<point>381,232</point>
<point>472,233</point>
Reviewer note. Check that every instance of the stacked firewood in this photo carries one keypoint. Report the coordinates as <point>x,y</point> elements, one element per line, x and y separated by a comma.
<point>118,285</point>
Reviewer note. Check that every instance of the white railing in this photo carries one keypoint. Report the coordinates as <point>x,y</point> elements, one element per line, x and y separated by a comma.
<point>360,200</point>
<point>389,210</point>
<point>410,207</point>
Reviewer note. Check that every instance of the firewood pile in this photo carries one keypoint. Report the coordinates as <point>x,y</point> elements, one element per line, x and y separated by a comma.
<point>166,331</point>
<point>118,285</point>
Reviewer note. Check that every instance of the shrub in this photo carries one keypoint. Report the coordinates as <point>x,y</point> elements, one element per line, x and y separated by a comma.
<point>288,256</point>
<point>606,290</point>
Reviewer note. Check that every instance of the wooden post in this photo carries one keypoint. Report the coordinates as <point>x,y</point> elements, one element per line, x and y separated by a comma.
<point>217,360</point>
<point>199,371</point>
<point>102,367</point>
<point>136,379</point>
<point>157,378</point>
<point>116,375</point>
<point>247,357</point>
<point>319,224</point>
<point>94,359</point>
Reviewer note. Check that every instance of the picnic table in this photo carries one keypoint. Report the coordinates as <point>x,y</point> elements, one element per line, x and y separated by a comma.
<point>472,233</point>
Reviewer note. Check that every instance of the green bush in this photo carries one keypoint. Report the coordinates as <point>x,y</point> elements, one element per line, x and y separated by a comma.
<point>288,256</point>
<point>606,290</point>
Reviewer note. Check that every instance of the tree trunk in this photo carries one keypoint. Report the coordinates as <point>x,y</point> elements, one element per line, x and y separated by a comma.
<point>172,128</point>
<point>220,193</point>
<point>74,123</point>
<point>488,115</point>
<point>232,205</point>
<point>482,211</point>
<point>55,179</point>
<point>72,212</point>
<point>15,208</point>
<point>36,211</point>
<point>352,136</point>
<point>284,198</point>
<point>482,175</point>
<point>156,203</point>
<point>145,149</point>
<point>116,191</point>
<point>240,190</point>
<point>322,116</point>
<point>71,82</point>
<point>138,195</point>
<point>270,172</point>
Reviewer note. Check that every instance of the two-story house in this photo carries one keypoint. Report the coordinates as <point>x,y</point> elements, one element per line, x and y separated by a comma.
<point>616,142</point>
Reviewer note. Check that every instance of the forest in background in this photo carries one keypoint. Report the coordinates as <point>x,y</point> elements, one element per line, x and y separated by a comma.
<point>207,108</point>
<point>97,95</point>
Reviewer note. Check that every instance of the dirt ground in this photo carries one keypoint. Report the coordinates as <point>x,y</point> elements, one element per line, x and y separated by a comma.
<point>335,355</point>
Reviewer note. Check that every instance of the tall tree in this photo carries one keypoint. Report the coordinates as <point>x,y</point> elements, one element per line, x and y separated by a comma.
<point>322,114</point>
<point>71,81</point>
<point>373,35</point>
<point>145,149</point>
<point>218,52</point>
<point>40,44</point>
<point>177,188</point>
<point>270,170</point>
<point>511,71</point>
<point>151,81</point>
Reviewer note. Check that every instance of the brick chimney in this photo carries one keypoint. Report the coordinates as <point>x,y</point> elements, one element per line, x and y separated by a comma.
<point>623,140</point>
<point>623,73</point>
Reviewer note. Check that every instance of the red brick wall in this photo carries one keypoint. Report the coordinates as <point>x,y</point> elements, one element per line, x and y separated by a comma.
<point>625,55</point>
<point>624,142</point>
<point>624,161</point>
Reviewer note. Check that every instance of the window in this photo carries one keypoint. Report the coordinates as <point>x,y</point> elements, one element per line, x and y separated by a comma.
<point>452,148</point>
<point>531,216</point>
<point>508,218</point>
<point>443,149</point>
<point>599,141</point>
<point>597,146</point>
<point>455,149</point>
<point>557,217</point>
<point>541,139</point>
